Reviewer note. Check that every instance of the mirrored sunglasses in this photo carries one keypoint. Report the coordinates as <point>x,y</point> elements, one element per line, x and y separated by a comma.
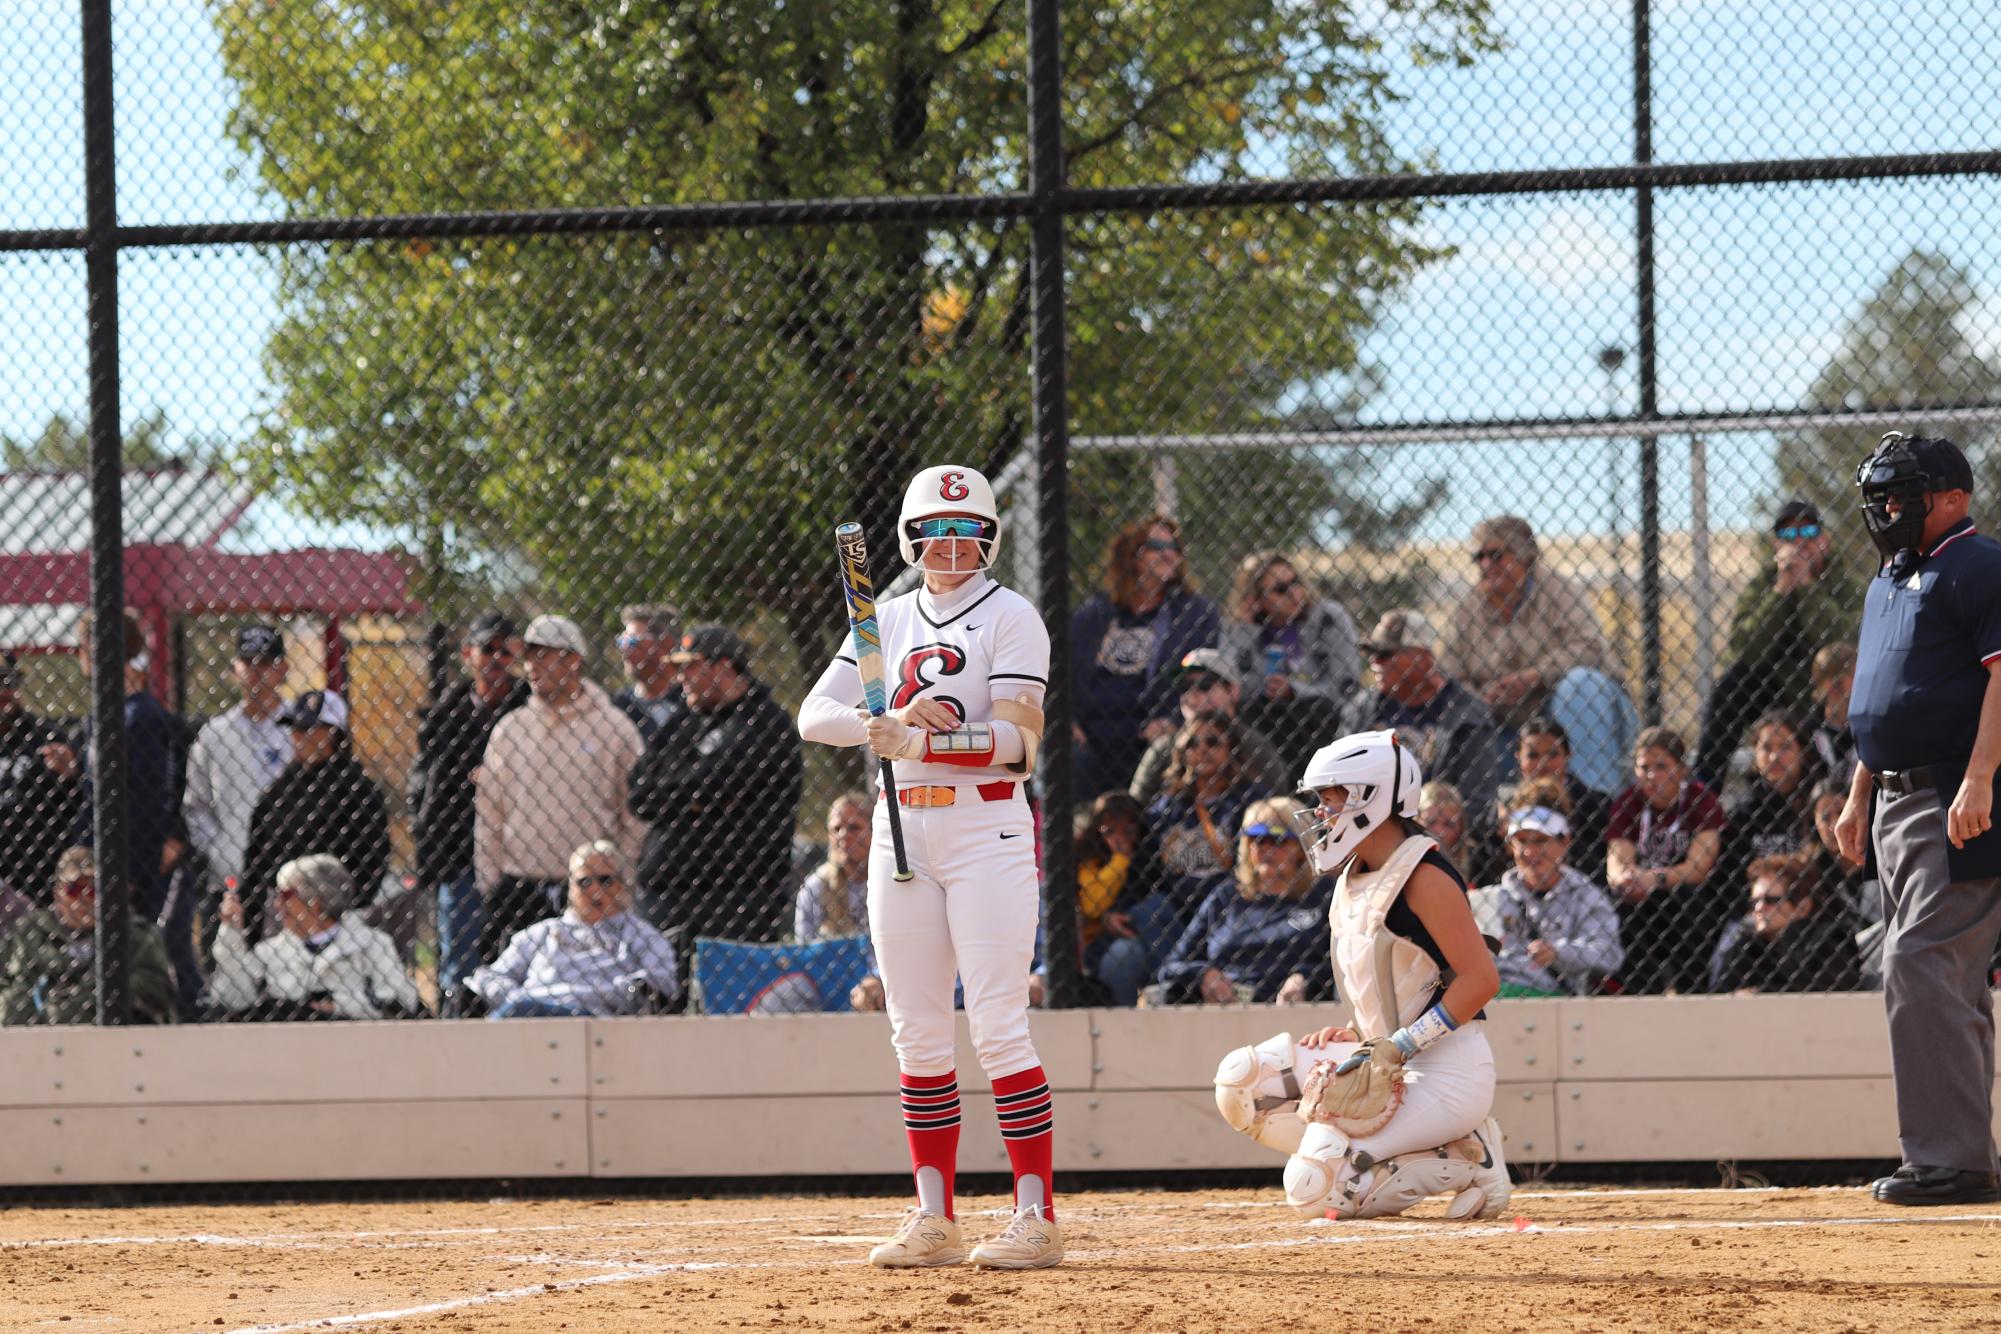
<point>1160,544</point>
<point>633,641</point>
<point>1797,532</point>
<point>957,526</point>
<point>1267,833</point>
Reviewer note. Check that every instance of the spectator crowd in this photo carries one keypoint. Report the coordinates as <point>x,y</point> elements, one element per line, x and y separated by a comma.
<point>589,852</point>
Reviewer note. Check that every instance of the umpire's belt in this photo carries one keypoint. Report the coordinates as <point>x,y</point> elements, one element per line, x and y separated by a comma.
<point>948,796</point>
<point>1903,782</point>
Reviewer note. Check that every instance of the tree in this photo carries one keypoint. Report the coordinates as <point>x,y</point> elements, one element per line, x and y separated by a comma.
<point>1908,344</point>
<point>688,414</point>
<point>63,445</point>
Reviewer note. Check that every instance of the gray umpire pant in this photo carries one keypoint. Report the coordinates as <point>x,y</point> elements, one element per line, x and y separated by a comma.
<point>1937,946</point>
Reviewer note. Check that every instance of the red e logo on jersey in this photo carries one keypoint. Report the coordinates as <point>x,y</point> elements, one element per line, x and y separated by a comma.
<point>925,667</point>
<point>952,486</point>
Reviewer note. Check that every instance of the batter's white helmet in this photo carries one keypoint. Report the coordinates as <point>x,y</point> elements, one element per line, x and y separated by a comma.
<point>948,490</point>
<point>1382,778</point>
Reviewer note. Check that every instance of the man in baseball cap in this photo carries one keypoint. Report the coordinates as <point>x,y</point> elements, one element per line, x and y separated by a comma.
<point>315,708</point>
<point>1802,600</point>
<point>238,755</point>
<point>711,643</point>
<point>1208,683</point>
<point>1449,730</point>
<point>557,632</point>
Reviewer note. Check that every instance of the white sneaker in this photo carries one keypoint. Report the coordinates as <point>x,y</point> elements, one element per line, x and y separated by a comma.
<point>1029,1241</point>
<point>921,1240</point>
<point>1491,1190</point>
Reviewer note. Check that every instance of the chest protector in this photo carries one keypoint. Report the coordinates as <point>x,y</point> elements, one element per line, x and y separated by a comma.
<point>1386,979</point>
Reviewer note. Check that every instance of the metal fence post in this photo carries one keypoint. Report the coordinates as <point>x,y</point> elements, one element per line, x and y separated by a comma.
<point>1052,445</point>
<point>107,527</point>
<point>1650,454</point>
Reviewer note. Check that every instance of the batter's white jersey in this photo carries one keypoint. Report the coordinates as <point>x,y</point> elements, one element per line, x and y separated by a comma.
<point>976,644</point>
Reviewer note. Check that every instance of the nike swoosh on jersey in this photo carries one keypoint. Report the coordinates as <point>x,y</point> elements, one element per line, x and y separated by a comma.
<point>1010,835</point>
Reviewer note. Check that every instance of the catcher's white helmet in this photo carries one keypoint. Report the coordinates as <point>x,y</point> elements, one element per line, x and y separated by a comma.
<point>1382,778</point>
<point>938,495</point>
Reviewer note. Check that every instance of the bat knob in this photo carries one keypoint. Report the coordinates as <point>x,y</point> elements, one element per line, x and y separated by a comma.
<point>900,876</point>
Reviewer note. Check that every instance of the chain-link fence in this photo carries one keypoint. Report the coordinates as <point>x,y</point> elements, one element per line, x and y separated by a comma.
<point>485,381</point>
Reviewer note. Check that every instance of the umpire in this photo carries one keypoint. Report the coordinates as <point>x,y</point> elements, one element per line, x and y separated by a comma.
<point>1929,664</point>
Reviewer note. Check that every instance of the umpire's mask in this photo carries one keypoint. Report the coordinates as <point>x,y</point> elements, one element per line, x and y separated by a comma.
<point>1894,472</point>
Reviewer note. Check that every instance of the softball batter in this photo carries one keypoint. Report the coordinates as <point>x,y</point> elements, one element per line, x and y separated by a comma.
<point>966,663</point>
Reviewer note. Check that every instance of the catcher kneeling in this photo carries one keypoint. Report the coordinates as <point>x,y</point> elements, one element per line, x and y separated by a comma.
<point>1379,1119</point>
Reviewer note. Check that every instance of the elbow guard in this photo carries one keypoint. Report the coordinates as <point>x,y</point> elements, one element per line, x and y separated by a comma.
<point>1027,720</point>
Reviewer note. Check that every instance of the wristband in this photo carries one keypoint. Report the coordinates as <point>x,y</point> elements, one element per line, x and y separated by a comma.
<point>970,744</point>
<point>1424,1030</point>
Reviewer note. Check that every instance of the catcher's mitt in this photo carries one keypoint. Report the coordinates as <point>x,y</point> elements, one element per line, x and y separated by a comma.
<point>1360,1095</point>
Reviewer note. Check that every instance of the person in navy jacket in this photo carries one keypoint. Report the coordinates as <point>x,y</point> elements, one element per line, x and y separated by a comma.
<point>1262,929</point>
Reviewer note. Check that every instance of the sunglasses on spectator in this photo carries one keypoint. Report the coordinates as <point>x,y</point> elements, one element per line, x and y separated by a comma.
<point>75,887</point>
<point>497,649</point>
<point>1383,654</point>
<point>634,641</point>
<point>1768,900</point>
<point>1267,833</point>
<point>953,527</point>
<point>595,881</point>
<point>1160,544</point>
<point>1797,532</point>
<point>1487,554</point>
<point>1281,589</point>
<point>1201,681</point>
<point>1206,743</point>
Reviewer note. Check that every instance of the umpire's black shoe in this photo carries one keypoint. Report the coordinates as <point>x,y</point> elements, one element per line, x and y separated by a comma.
<point>1937,1185</point>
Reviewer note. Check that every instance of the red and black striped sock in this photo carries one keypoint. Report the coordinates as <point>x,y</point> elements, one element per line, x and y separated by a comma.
<point>931,1124</point>
<point>1027,1126</point>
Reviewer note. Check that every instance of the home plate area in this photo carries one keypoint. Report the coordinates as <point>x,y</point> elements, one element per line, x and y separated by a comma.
<point>1819,1259</point>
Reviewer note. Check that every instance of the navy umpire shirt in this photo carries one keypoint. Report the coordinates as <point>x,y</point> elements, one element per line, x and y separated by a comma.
<point>1921,670</point>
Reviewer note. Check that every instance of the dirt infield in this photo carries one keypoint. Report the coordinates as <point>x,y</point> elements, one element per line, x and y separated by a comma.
<point>1563,1259</point>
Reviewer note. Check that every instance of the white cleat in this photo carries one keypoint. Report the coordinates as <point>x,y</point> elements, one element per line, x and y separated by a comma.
<point>1491,1190</point>
<point>921,1241</point>
<point>1029,1241</point>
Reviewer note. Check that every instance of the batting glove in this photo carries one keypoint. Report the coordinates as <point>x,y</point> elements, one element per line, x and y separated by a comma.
<point>894,740</point>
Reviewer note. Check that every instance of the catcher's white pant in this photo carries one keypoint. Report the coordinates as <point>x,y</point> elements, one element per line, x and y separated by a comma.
<point>1448,1091</point>
<point>968,911</point>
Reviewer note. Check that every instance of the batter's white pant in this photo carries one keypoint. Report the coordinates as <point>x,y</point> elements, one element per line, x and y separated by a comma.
<point>1448,1091</point>
<point>968,911</point>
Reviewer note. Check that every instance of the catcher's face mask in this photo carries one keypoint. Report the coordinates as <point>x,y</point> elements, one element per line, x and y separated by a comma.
<point>1895,490</point>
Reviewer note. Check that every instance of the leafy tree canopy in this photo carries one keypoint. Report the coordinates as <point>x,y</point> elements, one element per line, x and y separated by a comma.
<point>1908,344</point>
<point>688,414</point>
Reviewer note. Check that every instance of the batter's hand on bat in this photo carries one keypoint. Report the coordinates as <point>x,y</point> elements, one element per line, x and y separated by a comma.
<point>893,740</point>
<point>1329,1035</point>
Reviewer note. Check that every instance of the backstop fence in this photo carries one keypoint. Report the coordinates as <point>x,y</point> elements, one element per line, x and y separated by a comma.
<point>1496,371</point>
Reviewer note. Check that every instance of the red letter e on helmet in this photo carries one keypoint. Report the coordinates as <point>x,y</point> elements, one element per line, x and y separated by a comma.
<point>952,486</point>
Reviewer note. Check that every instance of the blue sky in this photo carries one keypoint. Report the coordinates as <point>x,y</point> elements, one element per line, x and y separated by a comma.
<point>1755,284</point>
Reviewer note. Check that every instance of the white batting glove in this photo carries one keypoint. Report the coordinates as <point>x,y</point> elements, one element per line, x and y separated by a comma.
<point>894,740</point>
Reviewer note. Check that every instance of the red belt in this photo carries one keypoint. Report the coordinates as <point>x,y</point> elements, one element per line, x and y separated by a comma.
<point>925,797</point>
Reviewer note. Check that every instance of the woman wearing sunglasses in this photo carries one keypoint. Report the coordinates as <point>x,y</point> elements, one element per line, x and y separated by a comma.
<point>1191,834</point>
<point>1124,646</point>
<point>598,958</point>
<point>1261,932</point>
<point>966,662</point>
<point>1296,653</point>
